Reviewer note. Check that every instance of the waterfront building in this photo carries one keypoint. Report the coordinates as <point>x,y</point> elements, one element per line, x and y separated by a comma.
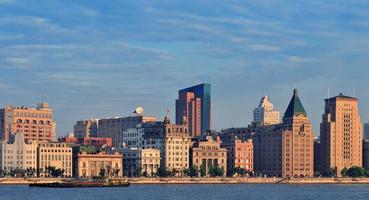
<point>286,149</point>
<point>115,127</point>
<point>86,128</point>
<point>265,114</point>
<point>194,103</point>
<point>366,131</point>
<point>340,135</point>
<point>131,161</point>
<point>317,158</point>
<point>58,155</point>
<point>243,155</point>
<point>35,123</point>
<point>366,153</point>
<point>100,164</point>
<point>208,154</point>
<point>18,154</point>
<point>149,161</point>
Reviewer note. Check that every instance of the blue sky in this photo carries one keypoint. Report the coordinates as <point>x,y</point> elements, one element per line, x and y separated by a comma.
<point>95,59</point>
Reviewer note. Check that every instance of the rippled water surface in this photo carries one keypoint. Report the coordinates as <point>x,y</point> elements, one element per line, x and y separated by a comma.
<point>203,192</point>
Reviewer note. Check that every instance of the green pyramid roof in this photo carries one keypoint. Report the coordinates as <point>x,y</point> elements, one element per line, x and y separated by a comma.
<point>295,107</point>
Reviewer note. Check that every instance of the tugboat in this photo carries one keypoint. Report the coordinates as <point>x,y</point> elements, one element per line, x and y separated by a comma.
<point>82,184</point>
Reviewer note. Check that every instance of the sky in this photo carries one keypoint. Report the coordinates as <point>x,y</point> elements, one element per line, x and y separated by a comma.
<point>99,59</point>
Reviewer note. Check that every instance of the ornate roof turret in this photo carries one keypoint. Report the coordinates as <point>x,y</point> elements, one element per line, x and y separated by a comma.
<point>295,107</point>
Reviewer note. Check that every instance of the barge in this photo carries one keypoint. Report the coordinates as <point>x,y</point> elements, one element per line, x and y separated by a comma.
<point>83,184</point>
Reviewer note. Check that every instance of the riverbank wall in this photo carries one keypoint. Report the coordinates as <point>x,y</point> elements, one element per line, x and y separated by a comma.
<point>138,181</point>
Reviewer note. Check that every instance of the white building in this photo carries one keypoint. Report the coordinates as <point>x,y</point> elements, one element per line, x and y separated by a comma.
<point>265,114</point>
<point>133,137</point>
<point>19,154</point>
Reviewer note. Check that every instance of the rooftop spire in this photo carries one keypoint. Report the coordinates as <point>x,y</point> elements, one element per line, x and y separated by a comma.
<point>295,107</point>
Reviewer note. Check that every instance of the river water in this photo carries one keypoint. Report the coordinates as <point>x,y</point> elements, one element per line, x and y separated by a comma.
<point>193,192</point>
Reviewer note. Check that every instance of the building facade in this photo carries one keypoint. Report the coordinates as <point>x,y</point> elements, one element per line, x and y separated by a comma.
<point>35,123</point>
<point>101,164</point>
<point>19,154</point>
<point>265,114</point>
<point>58,155</point>
<point>150,161</point>
<point>133,137</point>
<point>340,135</point>
<point>366,131</point>
<point>86,128</point>
<point>208,154</point>
<point>243,155</point>
<point>131,161</point>
<point>366,153</point>
<point>194,103</point>
<point>287,149</point>
<point>115,127</point>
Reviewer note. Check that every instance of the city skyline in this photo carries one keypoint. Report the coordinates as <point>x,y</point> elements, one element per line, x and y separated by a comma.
<point>96,60</point>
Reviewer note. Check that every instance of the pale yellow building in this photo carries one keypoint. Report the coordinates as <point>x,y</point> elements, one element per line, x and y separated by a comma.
<point>340,135</point>
<point>265,114</point>
<point>19,154</point>
<point>58,155</point>
<point>99,164</point>
<point>209,154</point>
<point>150,161</point>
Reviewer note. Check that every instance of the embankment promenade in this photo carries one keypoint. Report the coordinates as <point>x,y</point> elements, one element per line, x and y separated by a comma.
<point>25,181</point>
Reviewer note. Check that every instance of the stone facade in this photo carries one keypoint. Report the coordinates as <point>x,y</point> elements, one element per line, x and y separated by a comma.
<point>99,164</point>
<point>340,134</point>
<point>286,149</point>
<point>19,154</point>
<point>265,114</point>
<point>35,123</point>
<point>209,154</point>
<point>58,155</point>
<point>244,155</point>
<point>86,128</point>
<point>150,161</point>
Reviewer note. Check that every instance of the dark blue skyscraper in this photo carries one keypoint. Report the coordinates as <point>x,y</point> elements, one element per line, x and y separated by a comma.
<point>195,104</point>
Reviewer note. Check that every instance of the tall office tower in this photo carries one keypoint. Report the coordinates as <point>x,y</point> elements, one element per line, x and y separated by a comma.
<point>286,149</point>
<point>340,135</point>
<point>194,103</point>
<point>265,114</point>
<point>86,128</point>
<point>366,131</point>
<point>35,123</point>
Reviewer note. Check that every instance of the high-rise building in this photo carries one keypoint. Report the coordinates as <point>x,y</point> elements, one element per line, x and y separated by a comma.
<point>86,128</point>
<point>340,135</point>
<point>286,149</point>
<point>317,155</point>
<point>194,103</point>
<point>265,114</point>
<point>366,131</point>
<point>366,153</point>
<point>35,123</point>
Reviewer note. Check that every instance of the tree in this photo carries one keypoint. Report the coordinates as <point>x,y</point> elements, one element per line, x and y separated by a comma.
<point>344,172</point>
<point>356,172</point>
<point>162,172</point>
<point>54,172</point>
<point>216,171</point>
<point>203,170</point>
<point>102,173</point>
<point>192,171</point>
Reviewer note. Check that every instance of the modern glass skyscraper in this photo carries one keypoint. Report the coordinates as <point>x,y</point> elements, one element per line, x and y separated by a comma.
<point>194,103</point>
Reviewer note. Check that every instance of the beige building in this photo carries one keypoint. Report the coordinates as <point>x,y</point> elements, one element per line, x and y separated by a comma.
<point>58,155</point>
<point>177,142</point>
<point>244,155</point>
<point>340,134</point>
<point>209,154</point>
<point>35,123</point>
<point>99,164</point>
<point>19,154</point>
<point>150,161</point>
<point>286,149</point>
<point>265,114</point>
